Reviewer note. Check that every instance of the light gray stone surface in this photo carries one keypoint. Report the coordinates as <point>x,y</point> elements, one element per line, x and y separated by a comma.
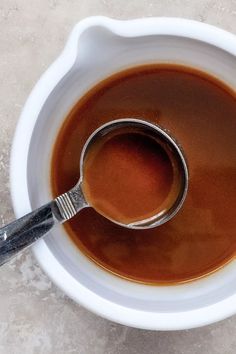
<point>36,317</point>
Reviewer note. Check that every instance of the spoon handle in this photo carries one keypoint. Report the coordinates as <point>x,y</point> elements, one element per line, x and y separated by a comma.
<point>21,233</point>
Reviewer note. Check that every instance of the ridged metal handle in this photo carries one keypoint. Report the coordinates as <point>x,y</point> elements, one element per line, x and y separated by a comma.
<point>23,232</point>
<point>70,203</point>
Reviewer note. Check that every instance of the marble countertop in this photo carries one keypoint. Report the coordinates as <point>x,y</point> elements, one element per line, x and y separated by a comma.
<point>35,316</point>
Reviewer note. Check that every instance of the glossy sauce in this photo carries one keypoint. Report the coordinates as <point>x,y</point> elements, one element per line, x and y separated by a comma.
<point>130,176</point>
<point>201,113</point>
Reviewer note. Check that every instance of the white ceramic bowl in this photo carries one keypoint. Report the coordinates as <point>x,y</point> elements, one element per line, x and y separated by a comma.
<point>96,48</point>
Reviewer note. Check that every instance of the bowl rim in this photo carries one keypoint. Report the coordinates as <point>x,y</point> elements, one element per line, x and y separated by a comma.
<point>18,170</point>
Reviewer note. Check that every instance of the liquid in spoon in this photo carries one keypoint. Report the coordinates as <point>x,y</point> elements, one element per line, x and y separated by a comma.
<point>130,176</point>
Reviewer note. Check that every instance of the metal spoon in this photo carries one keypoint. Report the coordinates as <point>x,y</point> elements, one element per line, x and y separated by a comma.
<point>23,232</point>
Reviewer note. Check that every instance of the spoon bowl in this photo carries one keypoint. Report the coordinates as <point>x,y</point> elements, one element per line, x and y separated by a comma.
<point>167,142</point>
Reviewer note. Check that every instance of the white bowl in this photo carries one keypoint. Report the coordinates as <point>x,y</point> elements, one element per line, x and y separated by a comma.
<point>96,48</point>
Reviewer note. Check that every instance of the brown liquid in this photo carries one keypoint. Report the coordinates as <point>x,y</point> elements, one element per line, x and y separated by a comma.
<point>130,176</point>
<point>201,113</point>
